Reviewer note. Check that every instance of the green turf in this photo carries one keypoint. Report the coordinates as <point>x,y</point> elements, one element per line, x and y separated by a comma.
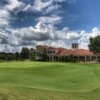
<point>49,81</point>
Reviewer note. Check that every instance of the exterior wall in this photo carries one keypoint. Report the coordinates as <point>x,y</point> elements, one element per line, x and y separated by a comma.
<point>39,52</point>
<point>51,53</point>
<point>40,49</point>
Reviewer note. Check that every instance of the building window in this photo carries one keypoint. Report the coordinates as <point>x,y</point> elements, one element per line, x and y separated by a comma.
<point>53,51</point>
<point>39,55</point>
<point>50,51</point>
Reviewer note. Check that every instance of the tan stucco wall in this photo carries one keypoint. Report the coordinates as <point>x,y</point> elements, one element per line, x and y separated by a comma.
<point>40,49</point>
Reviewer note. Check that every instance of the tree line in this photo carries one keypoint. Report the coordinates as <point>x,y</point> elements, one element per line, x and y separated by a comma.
<point>24,54</point>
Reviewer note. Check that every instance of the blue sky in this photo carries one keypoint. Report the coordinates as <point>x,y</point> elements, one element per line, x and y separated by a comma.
<point>47,22</point>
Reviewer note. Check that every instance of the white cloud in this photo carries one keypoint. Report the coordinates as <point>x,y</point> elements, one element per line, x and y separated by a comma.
<point>41,32</point>
<point>38,35</point>
<point>14,6</point>
<point>66,29</point>
<point>8,48</point>
<point>51,8</point>
<point>95,32</point>
<point>43,7</point>
<point>84,37</point>
<point>58,43</point>
<point>72,35</point>
<point>20,42</point>
<point>38,5</point>
<point>54,19</point>
<point>4,18</point>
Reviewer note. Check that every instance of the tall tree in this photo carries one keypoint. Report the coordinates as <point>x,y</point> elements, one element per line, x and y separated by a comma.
<point>17,56</point>
<point>32,56</point>
<point>94,45</point>
<point>2,55</point>
<point>25,52</point>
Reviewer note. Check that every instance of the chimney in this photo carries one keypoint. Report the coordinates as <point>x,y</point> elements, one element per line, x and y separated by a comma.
<point>75,46</point>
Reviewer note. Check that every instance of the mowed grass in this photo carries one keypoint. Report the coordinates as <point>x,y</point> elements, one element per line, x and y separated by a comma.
<point>49,81</point>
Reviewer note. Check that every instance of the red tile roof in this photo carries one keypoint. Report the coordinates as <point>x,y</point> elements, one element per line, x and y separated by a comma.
<point>79,52</point>
<point>83,52</point>
<point>61,48</point>
<point>51,47</point>
<point>64,51</point>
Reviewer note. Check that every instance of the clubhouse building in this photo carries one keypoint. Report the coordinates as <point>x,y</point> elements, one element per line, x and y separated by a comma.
<point>53,53</point>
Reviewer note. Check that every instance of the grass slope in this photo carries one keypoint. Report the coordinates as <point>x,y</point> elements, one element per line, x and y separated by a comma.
<point>49,81</point>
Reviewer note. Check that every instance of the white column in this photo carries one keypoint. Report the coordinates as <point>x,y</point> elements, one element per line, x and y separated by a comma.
<point>52,58</point>
<point>90,58</point>
<point>57,58</point>
<point>85,58</point>
<point>97,58</point>
<point>78,58</point>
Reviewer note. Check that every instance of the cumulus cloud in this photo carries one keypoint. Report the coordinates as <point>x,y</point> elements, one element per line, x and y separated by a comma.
<point>84,37</point>
<point>8,48</point>
<point>38,5</point>
<point>4,18</point>
<point>45,7</point>
<point>95,32</point>
<point>13,41</point>
<point>3,37</point>
<point>14,6</point>
<point>59,43</point>
<point>41,33</point>
<point>72,35</point>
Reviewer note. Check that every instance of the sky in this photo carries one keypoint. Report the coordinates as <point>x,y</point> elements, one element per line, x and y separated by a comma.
<point>59,23</point>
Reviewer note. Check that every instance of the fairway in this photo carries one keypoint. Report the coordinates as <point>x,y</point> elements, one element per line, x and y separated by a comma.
<point>49,81</point>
